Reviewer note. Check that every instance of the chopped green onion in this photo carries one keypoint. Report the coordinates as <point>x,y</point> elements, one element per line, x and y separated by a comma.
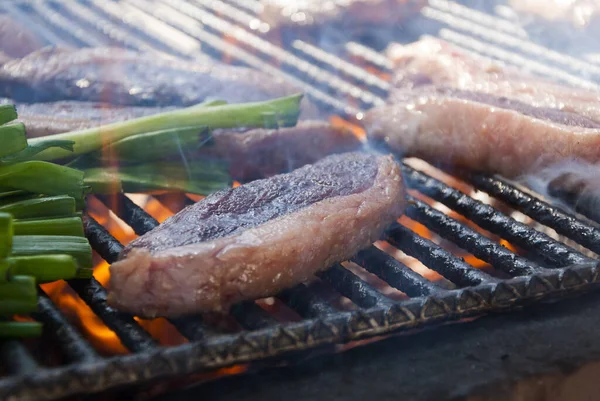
<point>155,145</point>
<point>12,138</point>
<point>44,178</point>
<point>54,226</point>
<point>31,245</point>
<point>8,112</point>
<point>20,329</point>
<point>5,271</point>
<point>6,234</point>
<point>29,151</point>
<point>47,268</point>
<point>47,207</point>
<point>286,111</point>
<point>9,197</point>
<point>198,177</point>
<point>19,295</point>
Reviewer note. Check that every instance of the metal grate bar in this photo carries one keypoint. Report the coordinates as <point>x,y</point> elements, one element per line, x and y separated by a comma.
<point>251,316</point>
<point>497,24</point>
<point>490,219</point>
<point>135,216</point>
<point>132,335</point>
<point>268,49</point>
<point>434,257</point>
<point>101,240</point>
<point>370,55</point>
<point>516,59</point>
<point>307,304</point>
<point>342,65</point>
<point>351,286</point>
<point>192,327</point>
<point>395,273</point>
<point>65,26</point>
<point>508,40</point>
<point>561,222</point>
<point>235,14</point>
<point>470,240</point>
<point>25,18</point>
<point>167,38</point>
<point>106,27</point>
<point>73,346</point>
<point>16,358</point>
<point>173,15</point>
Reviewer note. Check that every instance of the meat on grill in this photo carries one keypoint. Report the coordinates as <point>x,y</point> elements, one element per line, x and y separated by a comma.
<point>257,239</point>
<point>123,77</point>
<point>260,153</point>
<point>511,124</point>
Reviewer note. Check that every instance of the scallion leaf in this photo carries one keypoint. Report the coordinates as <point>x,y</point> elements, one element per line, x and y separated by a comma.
<point>197,177</point>
<point>8,113</point>
<point>282,112</point>
<point>46,207</point>
<point>31,245</point>
<point>44,178</point>
<point>72,226</point>
<point>12,139</point>
<point>6,234</point>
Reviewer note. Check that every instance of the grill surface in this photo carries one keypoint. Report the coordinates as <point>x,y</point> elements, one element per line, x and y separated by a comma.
<point>545,269</point>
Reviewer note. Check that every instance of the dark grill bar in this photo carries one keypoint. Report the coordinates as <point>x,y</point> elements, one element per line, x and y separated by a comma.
<point>563,223</point>
<point>546,270</point>
<point>554,253</point>
<point>436,258</point>
<point>73,346</point>
<point>470,240</point>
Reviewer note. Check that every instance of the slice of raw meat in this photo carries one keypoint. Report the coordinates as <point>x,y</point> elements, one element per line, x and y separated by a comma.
<point>123,77</point>
<point>257,239</point>
<point>452,108</point>
<point>486,134</point>
<point>260,153</point>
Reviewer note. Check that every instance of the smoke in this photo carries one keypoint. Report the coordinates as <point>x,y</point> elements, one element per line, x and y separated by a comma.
<point>573,185</point>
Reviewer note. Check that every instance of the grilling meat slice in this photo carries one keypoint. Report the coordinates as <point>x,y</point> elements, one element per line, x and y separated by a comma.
<point>486,119</point>
<point>260,153</point>
<point>123,77</point>
<point>257,239</point>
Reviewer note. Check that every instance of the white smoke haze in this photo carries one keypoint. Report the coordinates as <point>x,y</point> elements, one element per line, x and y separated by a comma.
<point>572,184</point>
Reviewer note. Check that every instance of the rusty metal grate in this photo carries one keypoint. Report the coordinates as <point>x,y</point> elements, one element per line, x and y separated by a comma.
<point>546,268</point>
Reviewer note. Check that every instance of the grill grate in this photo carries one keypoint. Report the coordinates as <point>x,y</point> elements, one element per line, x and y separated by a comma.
<point>549,270</point>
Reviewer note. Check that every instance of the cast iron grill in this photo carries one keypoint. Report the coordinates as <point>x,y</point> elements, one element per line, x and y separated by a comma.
<point>544,269</point>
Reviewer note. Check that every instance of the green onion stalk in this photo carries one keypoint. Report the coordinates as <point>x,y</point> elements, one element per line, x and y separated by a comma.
<point>18,296</point>
<point>280,112</point>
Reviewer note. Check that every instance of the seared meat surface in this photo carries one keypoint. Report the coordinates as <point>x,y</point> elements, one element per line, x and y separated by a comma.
<point>451,108</point>
<point>123,77</point>
<point>257,239</point>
